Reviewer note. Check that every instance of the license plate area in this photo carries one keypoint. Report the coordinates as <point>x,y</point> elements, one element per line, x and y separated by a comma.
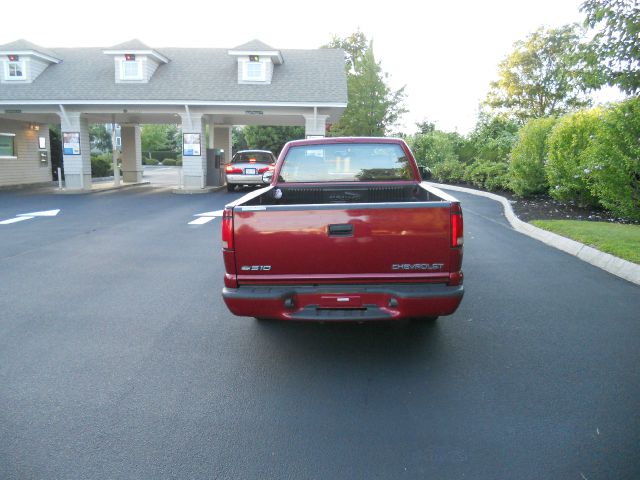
<point>250,171</point>
<point>340,301</point>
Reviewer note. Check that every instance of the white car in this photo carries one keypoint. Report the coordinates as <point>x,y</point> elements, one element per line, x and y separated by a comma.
<point>247,167</point>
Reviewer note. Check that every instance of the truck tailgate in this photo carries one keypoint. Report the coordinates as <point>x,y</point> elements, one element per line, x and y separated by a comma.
<point>319,244</point>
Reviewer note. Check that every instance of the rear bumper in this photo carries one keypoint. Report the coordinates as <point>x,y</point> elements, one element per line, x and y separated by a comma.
<point>344,302</point>
<point>244,179</point>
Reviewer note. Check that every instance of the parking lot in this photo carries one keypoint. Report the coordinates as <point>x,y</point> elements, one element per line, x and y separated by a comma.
<point>118,359</point>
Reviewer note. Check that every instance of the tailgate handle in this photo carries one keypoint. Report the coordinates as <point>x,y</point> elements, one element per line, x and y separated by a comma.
<point>341,230</point>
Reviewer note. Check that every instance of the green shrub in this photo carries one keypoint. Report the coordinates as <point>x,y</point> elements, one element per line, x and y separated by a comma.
<point>488,175</point>
<point>150,161</point>
<point>567,168</point>
<point>448,171</point>
<point>613,161</point>
<point>179,162</point>
<point>169,162</point>
<point>526,169</point>
<point>101,165</point>
<point>432,148</point>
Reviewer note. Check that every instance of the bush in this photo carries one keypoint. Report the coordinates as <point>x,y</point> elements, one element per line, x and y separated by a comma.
<point>179,162</point>
<point>101,165</point>
<point>150,161</point>
<point>169,162</point>
<point>488,175</point>
<point>448,171</point>
<point>526,169</point>
<point>613,160</point>
<point>567,168</point>
<point>432,148</point>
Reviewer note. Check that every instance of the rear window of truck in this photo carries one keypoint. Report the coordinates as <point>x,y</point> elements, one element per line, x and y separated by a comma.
<point>345,163</point>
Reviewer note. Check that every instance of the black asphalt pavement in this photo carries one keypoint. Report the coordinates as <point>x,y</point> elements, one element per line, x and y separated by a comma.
<point>118,360</point>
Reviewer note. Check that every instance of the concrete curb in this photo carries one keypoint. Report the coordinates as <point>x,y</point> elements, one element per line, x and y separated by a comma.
<point>617,266</point>
<point>97,188</point>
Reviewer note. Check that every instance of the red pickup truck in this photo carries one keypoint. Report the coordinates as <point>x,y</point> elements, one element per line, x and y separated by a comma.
<point>346,230</point>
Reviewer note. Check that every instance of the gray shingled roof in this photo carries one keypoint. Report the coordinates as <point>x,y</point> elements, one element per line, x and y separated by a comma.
<point>195,74</point>
<point>23,44</point>
<point>255,45</point>
<point>133,44</point>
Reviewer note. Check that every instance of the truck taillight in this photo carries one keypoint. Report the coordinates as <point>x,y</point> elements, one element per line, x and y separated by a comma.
<point>227,229</point>
<point>457,227</point>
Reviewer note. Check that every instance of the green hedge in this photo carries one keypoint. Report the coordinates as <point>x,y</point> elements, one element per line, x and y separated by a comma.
<point>101,165</point>
<point>526,169</point>
<point>613,160</point>
<point>448,171</point>
<point>567,170</point>
<point>488,174</point>
<point>150,161</point>
<point>170,162</point>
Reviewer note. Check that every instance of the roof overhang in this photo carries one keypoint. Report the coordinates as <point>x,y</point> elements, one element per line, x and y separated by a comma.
<point>152,53</point>
<point>32,53</point>
<point>275,55</point>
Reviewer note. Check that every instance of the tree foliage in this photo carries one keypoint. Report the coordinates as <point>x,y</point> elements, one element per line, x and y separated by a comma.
<point>158,138</point>
<point>542,76</point>
<point>493,137</point>
<point>373,108</point>
<point>271,138</point>
<point>567,167</point>
<point>613,160</point>
<point>100,137</point>
<point>615,47</point>
<point>528,157</point>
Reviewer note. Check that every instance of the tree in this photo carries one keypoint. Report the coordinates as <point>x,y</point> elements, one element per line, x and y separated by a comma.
<point>100,137</point>
<point>154,138</point>
<point>542,77</point>
<point>372,108</point>
<point>614,51</point>
<point>271,138</point>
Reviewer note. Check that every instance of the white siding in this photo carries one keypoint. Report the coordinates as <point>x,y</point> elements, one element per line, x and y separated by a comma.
<point>34,68</point>
<point>26,167</point>
<point>149,66</point>
<point>269,71</point>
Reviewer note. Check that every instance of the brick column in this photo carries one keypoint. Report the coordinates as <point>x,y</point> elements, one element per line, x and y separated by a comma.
<point>77,168</point>
<point>131,153</point>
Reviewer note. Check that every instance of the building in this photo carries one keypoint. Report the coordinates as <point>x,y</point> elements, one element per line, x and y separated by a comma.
<point>206,90</point>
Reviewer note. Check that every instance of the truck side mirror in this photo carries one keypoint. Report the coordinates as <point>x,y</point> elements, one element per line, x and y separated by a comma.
<point>425,172</point>
<point>267,177</point>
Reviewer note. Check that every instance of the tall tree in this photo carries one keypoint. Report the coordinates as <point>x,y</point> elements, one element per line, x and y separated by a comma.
<point>155,138</point>
<point>542,76</point>
<point>373,108</point>
<point>615,48</point>
<point>100,137</point>
<point>271,138</point>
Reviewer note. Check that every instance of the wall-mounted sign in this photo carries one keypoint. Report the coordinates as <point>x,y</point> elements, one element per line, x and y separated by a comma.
<point>71,143</point>
<point>42,143</point>
<point>191,144</point>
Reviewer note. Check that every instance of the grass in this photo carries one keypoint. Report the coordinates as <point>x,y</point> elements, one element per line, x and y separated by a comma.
<point>620,240</point>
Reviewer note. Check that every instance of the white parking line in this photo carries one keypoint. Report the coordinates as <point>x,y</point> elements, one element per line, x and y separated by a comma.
<point>14,220</point>
<point>201,220</point>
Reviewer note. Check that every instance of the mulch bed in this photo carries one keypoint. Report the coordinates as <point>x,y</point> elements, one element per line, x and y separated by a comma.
<point>543,207</point>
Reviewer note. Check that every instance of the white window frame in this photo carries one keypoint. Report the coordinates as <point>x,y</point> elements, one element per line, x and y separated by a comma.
<point>118,141</point>
<point>125,77</point>
<point>7,70</point>
<point>245,71</point>
<point>12,135</point>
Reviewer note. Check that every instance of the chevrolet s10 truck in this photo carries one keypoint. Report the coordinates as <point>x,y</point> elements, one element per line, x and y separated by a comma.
<point>345,230</point>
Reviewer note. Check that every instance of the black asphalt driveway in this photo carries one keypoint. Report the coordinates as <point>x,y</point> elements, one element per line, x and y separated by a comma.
<point>118,359</point>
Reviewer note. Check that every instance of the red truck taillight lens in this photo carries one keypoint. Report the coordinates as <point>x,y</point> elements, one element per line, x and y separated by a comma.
<point>457,227</point>
<point>227,229</point>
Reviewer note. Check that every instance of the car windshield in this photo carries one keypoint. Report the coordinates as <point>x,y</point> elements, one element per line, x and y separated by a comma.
<point>345,163</point>
<point>253,157</point>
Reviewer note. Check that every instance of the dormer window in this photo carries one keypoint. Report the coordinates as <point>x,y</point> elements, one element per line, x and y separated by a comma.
<point>130,68</point>
<point>14,68</point>
<point>254,70</point>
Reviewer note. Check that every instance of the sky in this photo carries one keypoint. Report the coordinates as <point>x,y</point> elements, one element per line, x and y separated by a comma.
<point>446,53</point>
